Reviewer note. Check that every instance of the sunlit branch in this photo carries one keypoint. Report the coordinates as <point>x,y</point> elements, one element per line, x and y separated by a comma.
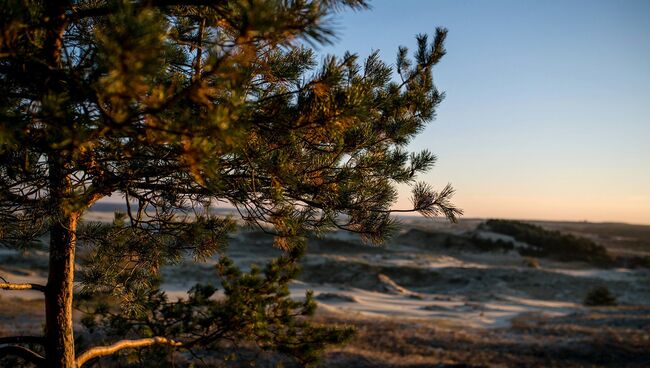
<point>25,286</point>
<point>100,351</point>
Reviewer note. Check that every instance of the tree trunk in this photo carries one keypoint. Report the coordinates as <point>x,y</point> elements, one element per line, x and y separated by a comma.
<point>59,338</point>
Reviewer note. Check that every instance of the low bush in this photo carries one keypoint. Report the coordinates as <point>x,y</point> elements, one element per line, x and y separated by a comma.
<point>599,296</point>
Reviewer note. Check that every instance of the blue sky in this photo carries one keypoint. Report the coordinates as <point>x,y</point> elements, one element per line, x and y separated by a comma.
<point>547,109</point>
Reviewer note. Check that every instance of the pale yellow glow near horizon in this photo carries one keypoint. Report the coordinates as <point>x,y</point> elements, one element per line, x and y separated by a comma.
<point>628,211</point>
<point>631,209</point>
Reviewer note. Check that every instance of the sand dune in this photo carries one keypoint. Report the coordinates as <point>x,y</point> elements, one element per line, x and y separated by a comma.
<point>414,279</point>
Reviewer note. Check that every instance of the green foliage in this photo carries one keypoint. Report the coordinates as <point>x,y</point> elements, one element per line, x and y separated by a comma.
<point>599,296</point>
<point>488,245</point>
<point>553,244</point>
<point>175,106</point>
<point>255,308</point>
<point>136,254</point>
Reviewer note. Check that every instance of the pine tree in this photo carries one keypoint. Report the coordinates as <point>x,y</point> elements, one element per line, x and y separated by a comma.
<point>178,105</point>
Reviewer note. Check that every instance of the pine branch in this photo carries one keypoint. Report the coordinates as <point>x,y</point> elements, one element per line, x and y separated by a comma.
<point>100,11</point>
<point>100,351</point>
<point>431,203</point>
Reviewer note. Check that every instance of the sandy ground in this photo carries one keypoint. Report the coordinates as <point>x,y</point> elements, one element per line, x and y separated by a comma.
<point>413,285</point>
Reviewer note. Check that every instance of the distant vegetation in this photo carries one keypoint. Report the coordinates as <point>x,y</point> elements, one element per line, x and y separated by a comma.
<point>600,296</point>
<point>489,245</point>
<point>530,241</point>
<point>476,243</point>
<point>549,243</point>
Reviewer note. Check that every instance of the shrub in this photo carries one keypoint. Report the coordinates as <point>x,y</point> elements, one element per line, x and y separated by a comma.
<point>489,245</point>
<point>599,296</point>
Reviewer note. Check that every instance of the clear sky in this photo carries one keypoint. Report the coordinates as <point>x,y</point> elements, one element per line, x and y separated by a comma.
<point>547,109</point>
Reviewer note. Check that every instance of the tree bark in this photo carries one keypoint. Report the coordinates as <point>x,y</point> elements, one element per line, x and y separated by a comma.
<point>59,337</point>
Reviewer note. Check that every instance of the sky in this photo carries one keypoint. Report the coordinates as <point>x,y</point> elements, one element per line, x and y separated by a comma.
<point>547,108</point>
